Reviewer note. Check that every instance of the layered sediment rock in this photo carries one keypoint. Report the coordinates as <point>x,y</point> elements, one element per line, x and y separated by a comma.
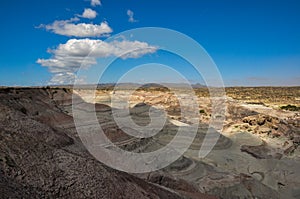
<point>41,155</point>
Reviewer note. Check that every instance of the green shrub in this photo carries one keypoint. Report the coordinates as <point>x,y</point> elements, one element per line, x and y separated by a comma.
<point>290,108</point>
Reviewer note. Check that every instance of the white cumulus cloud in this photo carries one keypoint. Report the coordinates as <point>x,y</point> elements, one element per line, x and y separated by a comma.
<point>130,16</point>
<point>68,28</point>
<point>89,13</point>
<point>67,58</point>
<point>95,2</point>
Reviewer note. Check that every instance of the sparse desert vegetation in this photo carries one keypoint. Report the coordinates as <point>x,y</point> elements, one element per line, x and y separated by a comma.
<point>290,107</point>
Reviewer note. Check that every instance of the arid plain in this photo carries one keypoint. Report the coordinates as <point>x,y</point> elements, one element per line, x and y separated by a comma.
<point>257,154</point>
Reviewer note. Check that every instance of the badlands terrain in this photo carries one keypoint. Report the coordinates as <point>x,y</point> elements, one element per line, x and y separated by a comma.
<point>257,154</point>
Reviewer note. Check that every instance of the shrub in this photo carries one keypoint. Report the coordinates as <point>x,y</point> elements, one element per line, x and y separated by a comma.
<point>290,108</point>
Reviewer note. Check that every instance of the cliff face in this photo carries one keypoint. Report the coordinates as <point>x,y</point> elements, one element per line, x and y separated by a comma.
<point>41,156</point>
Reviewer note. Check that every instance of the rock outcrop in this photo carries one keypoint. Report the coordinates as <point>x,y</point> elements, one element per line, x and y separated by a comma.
<point>42,157</point>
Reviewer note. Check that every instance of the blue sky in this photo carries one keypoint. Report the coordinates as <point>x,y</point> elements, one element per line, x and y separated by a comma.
<point>252,42</point>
